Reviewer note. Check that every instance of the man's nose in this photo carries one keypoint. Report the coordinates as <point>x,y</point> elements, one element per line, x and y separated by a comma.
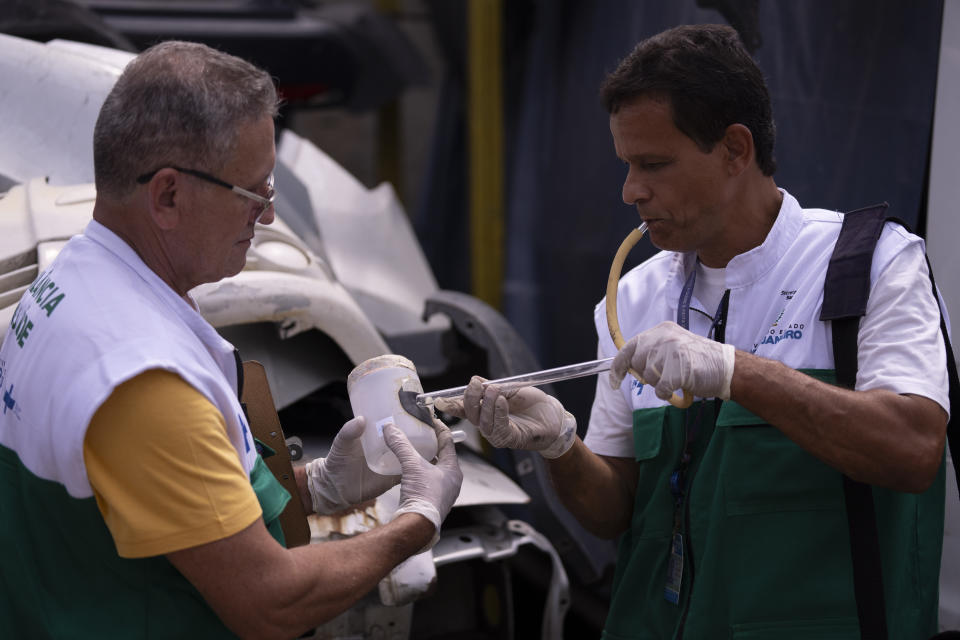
<point>268,216</point>
<point>635,189</point>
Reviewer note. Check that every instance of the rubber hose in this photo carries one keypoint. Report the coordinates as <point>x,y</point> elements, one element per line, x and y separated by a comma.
<point>613,323</point>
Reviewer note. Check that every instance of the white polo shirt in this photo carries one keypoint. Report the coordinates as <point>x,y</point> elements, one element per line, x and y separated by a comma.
<point>776,291</point>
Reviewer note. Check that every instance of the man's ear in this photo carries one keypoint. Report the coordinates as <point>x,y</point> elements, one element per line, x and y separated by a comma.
<point>165,198</point>
<point>738,142</point>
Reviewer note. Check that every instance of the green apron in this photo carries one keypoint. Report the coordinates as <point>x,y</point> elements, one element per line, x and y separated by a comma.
<point>61,577</point>
<point>766,550</point>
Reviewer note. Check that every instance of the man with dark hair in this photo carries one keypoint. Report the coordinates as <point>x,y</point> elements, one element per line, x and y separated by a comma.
<point>134,503</point>
<point>731,513</point>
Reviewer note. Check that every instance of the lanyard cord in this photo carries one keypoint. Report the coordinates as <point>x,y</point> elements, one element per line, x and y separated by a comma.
<point>691,429</point>
<point>691,423</point>
<point>719,317</point>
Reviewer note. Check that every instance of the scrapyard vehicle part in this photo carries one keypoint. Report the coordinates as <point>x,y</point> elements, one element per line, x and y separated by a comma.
<point>366,238</point>
<point>417,576</point>
<point>294,447</point>
<point>497,540</point>
<point>80,77</point>
<point>494,544</point>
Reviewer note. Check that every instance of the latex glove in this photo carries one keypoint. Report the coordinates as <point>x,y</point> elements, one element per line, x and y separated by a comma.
<point>670,358</point>
<point>343,479</point>
<point>429,489</point>
<point>525,418</point>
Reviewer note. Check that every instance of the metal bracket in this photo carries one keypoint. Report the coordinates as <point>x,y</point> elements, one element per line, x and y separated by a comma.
<point>496,543</point>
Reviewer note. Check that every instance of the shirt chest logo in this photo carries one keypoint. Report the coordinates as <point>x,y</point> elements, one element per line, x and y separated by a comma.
<point>792,331</point>
<point>780,329</point>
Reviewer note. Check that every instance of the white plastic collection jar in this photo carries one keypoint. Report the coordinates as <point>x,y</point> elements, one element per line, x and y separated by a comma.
<point>373,387</point>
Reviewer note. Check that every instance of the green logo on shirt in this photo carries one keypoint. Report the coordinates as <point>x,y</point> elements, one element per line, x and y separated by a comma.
<point>46,292</point>
<point>20,324</point>
<point>47,295</point>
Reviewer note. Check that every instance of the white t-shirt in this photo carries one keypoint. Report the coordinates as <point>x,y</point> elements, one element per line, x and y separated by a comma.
<point>709,287</point>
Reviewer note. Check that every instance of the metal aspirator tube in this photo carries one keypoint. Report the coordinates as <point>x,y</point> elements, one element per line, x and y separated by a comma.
<point>581,369</point>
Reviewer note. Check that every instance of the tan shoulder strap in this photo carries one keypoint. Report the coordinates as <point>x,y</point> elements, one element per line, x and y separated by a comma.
<point>265,426</point>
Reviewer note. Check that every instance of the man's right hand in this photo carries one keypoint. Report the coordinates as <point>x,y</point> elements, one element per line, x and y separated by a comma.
<point>524,418</point>
<point>342,479</point>
<point>426,488</point>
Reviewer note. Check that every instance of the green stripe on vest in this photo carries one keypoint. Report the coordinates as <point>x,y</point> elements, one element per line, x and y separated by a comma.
<point>272,496</point>
<point>767,551</point>
<point>61,576</point>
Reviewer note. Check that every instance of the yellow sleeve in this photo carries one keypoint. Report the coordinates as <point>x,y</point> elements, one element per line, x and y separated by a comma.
<point>162,468</point>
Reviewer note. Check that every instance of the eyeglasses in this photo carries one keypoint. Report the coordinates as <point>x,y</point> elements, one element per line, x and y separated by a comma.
<point>264,202</point>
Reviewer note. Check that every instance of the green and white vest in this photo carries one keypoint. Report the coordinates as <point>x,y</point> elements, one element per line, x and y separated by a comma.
<point>763,523</point>
<point>96,317</point>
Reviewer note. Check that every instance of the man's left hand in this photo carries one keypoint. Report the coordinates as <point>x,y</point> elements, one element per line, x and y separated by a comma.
<point>343,479</point>
<point>669,358</point>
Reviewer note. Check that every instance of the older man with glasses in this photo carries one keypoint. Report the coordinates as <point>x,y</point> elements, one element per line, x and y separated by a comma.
<point>133,502</point>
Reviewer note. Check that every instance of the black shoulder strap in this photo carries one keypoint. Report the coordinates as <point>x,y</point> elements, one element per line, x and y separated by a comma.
<point>845,292</point>
<point>847,284</point>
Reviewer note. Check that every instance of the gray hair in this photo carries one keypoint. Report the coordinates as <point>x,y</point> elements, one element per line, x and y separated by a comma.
<point>177,103</point>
